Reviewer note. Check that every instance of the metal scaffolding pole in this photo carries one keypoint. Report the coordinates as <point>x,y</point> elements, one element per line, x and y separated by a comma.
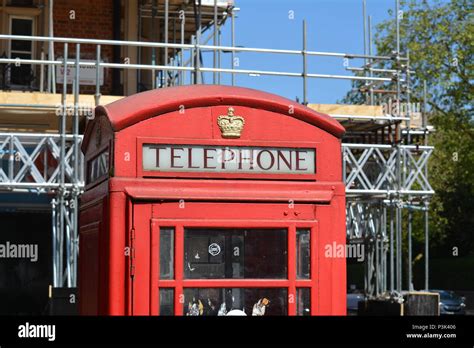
<point>399,157</point>
<point>181,53</point>
<point>410,217</point>
<point>192,61</point>
<point>170,45</point>
<point>139,49</point>
<point>97,75</point>
<point>377,257</point>
<point>408,95</point>
<point>384,248</point>
<point>425,114</point>
<point>392,283</point>
<point>371,89</point>
<point>427,240</point>
<point>153,35</point>
<point>55,236</point>
<point>164,82</point>
<point>305,66</point>
<point>75,129</point>
<point>41,79</point>
<point>399,248</point>
<point>174,60</point>
<point>61,230</point>
<point>426,212</point>
<point>74,205</point>
<point>364,19</point>
<point>232,39</point>
<point>51,68</point>
<point>197,46</point>
<point>218,54</point>
<point>410,258</point>
<point>214,42</point>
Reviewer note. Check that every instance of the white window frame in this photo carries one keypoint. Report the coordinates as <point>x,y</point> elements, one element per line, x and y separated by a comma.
<point>10,51</point>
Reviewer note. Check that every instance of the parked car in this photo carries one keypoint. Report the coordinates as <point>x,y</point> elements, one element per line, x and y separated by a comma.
<point>353,300</point>
<point>450,303</point>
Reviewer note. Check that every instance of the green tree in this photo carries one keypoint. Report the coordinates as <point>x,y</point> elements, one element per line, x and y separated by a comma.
<point>439,38</point>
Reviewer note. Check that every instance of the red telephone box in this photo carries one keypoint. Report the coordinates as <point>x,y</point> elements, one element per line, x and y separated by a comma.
<point>212,200</point>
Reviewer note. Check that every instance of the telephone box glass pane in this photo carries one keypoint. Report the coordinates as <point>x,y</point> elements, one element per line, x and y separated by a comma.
<point>235,301</point>
<point>166,301</point>
<point>235,253</point>
<point>302,253</point>
<point>303,303</point>
<point>166,253</point>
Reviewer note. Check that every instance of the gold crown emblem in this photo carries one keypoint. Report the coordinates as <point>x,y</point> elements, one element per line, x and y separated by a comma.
<point>231,126</point>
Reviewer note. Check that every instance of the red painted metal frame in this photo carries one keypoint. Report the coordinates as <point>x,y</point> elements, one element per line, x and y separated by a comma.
<point>224,142</point>
<point>179,283</point>
<point>130,205</point>
<point>228,190</point>
<point>130,235</point>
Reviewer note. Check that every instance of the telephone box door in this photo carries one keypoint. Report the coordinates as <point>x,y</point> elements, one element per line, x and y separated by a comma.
<point>212,259</point>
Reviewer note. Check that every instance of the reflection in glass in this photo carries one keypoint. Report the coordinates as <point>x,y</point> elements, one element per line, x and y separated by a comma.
<point>166,253</point>
<point>303,302</point>
<point>302,253</point>
<point>166,301</point>
<point>235,301</point>
<point>235,253</point>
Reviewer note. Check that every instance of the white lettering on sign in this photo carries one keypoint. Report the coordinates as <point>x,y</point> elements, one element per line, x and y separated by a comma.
<point>87,74</point>
<point>189,158</point>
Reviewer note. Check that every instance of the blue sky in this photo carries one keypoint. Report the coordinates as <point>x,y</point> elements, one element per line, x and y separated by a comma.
<point>333,25</point>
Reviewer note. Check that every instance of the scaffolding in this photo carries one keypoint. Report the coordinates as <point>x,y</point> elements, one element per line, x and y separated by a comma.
<point>384,158</point>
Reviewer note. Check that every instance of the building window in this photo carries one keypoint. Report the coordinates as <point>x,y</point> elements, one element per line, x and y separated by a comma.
<point>21,74</point>
<point>20,3</point>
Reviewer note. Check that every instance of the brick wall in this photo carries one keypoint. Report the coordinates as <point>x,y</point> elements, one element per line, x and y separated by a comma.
<point>93,20</point>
